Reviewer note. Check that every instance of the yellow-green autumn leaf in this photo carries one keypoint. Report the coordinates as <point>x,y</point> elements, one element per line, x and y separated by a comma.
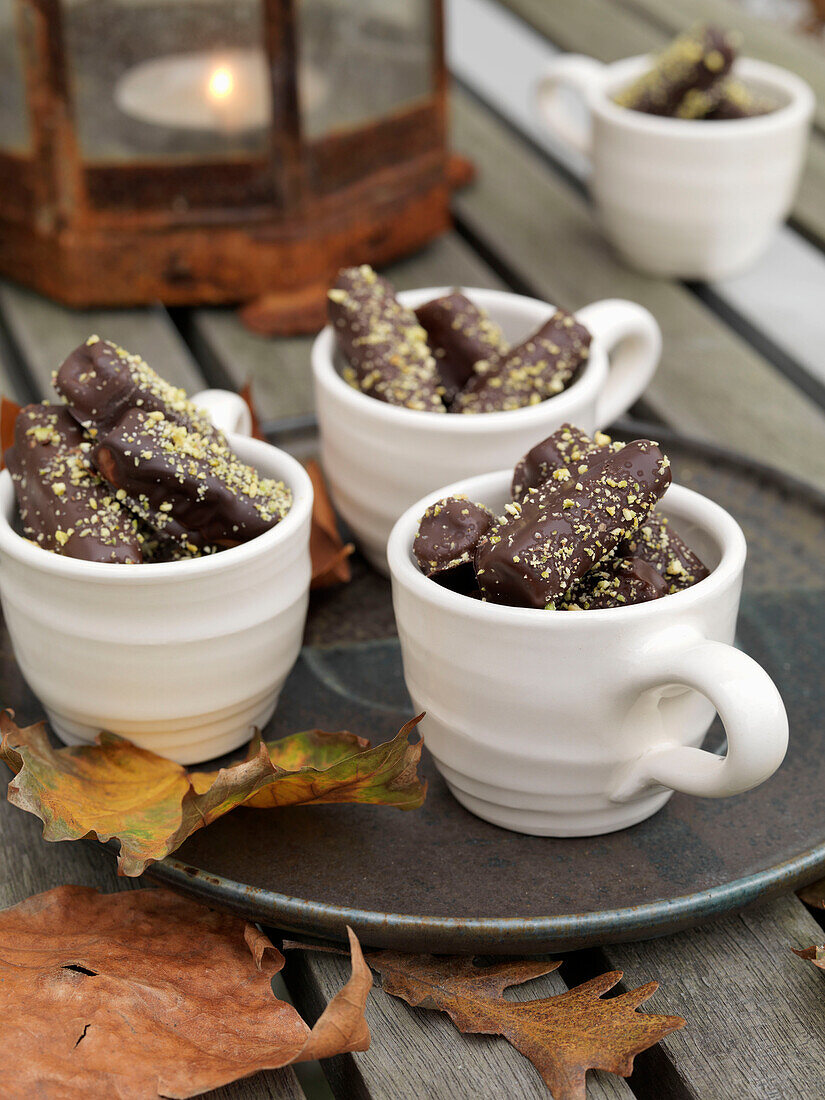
<point>113,789</point>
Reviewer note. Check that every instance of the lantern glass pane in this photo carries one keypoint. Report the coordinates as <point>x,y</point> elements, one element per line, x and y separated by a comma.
<point>167,80</point>
<point>361,60</point>
<point>15,135</point>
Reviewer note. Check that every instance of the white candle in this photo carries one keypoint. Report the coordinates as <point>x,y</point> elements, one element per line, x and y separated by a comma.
<point>226,91</point>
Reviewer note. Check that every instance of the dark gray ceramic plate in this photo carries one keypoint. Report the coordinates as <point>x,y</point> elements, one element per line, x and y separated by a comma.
<point>439,879</point>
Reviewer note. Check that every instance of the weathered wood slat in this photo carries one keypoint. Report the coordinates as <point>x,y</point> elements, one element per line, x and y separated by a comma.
<point>609,30</point>
<point>44,333</point>
<point>711,382</point>
<point>279,370</point>
<point>11,383</point>
<point>755,1011</point>
<point>419,1053</point>
<point>809,209</point>
<point>30,865</point>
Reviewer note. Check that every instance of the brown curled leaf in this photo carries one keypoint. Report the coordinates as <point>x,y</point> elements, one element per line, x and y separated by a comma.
<point>329,554</point>
<point>144,994</point>
<point>8,414</point>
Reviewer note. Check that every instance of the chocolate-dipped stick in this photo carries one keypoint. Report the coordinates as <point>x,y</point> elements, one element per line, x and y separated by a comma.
<point>99,381</point>
<point>617,582</point>
<point>567,454</point>
<point>385,347</point>
<point>446,541</point>
<point>662,548</point>
<point>684,70</point>
<point>733,99</point>
<point>190,489</point>
<point>540,367</point>
<point>559,534</point>
<point>64,506</point>
<point>459,335</point>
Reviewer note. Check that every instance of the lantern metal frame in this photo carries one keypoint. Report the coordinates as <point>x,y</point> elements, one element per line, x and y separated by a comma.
<point>277,224</point>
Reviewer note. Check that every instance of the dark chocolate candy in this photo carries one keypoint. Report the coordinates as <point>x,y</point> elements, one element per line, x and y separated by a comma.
<point>567,454</point>
<point>684,70</point>
<point>385,347</point>
<point>64,506</point>
<point>447,537</point>
<point>190,489</point>
<point>459,335</point>
<point>540,367</point>
<point>661,547</point>
<point>617,582</point>
<point>99,381</point>
<point>558,534</point>
<point>732,99</point>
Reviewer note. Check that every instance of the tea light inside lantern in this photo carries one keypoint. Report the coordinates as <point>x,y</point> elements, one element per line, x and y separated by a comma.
<point>226,92</point>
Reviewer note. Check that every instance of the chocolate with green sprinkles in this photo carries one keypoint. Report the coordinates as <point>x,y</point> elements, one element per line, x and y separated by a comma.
<point>459,335</point>
<point>64,506</point>
<point>539,367</point>
<point>566,455</point>
<point>560,533</point>
<point>384,345</point>
<point>446,540</point>
<point>681,74</point>
<point>617,582</point>
<point>665,551</point>
<point>732,99</point>
<point>188,487</point>
<point>99,381</point>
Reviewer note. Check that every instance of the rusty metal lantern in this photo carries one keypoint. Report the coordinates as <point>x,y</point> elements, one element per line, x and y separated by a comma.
<point>217,150</point>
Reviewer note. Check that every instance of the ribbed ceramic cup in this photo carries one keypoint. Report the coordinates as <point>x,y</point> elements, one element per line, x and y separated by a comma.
<point>183,658</point>
<point>380,458</point>
<point>574,723</point>
<point>683,197</point>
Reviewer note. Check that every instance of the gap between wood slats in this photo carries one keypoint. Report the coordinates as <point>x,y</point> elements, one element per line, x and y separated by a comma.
<point>755,1016</point>
<point>43,333</point>
<point>417,1053</point>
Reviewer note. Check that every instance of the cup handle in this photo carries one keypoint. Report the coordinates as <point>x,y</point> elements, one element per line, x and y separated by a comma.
<point>753,715</point>
<point>579,74</point>
<point>228,411</point>
<point>633,341</point>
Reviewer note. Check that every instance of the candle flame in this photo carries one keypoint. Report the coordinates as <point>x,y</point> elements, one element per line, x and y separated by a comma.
<point>221,82</point>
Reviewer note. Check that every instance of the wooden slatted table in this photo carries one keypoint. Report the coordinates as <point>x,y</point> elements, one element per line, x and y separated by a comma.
<point>744,365</point>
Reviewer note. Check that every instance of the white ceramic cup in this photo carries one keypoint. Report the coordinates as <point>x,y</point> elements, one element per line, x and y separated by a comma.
<point>183,658</point>
<point>683,197</point>
<point>380,458</point>
<point>575,723</point>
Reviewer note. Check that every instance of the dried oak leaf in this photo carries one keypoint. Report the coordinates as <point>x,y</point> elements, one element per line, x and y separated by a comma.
<point>115,789</point>
<point>143,994</point>
<point>563,1036</point>
<point>327,549</point>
